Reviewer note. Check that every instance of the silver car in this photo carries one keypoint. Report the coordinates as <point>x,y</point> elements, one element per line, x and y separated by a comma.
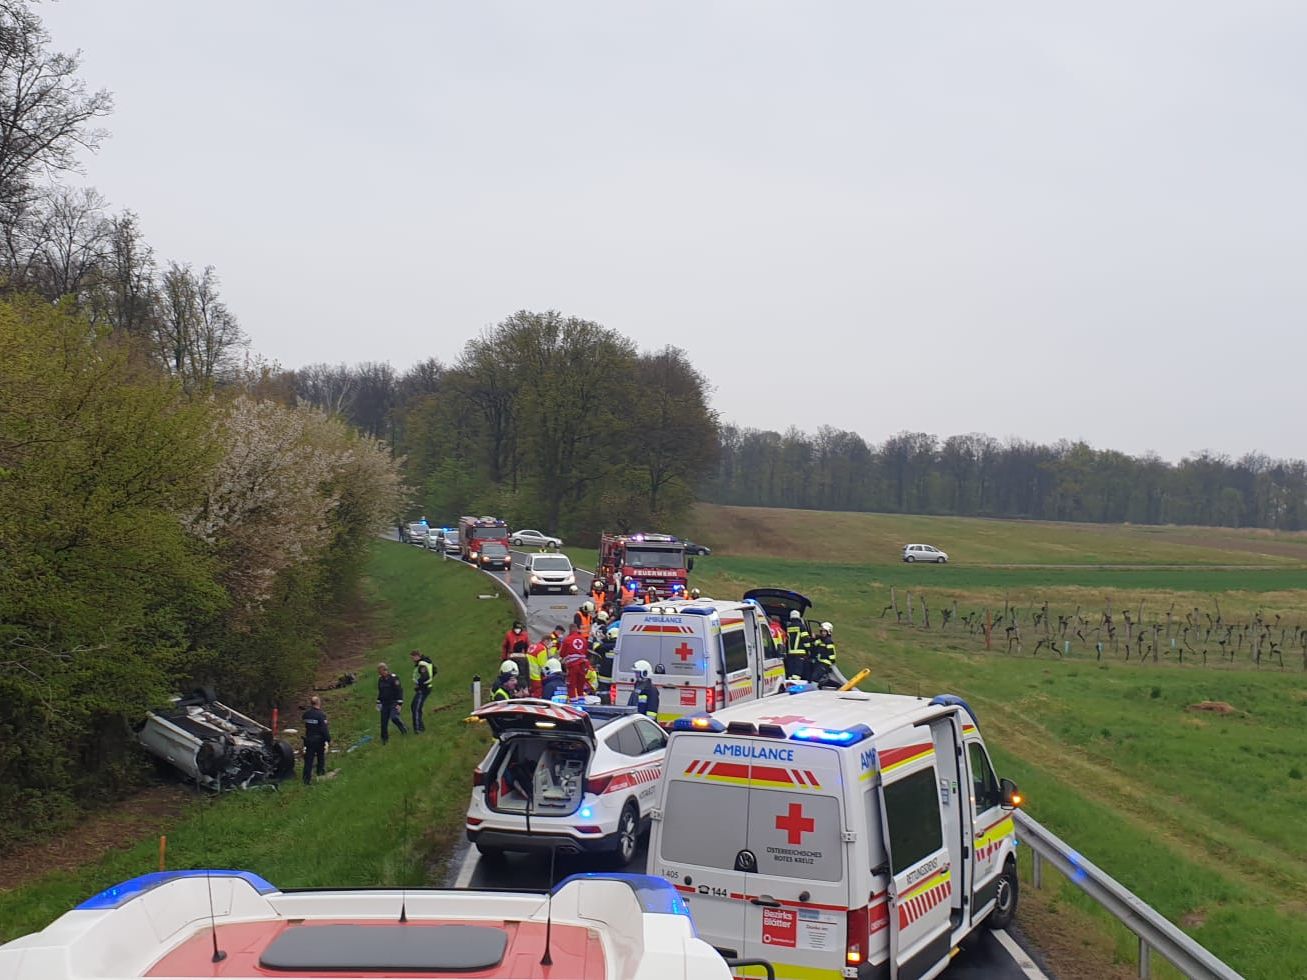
<point>924,552</point>
<point>530,538</point>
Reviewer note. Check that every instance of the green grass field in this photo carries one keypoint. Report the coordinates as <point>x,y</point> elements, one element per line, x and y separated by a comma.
<point>1201,814</point>
<point>392,813</point>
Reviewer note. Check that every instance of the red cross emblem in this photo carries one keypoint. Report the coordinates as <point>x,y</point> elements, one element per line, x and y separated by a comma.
<point>795,824</point>
<point>684,651</point>
<point>785,719</point>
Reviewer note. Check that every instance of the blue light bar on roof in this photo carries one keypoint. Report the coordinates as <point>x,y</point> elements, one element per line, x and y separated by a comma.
<point>655,895</point>
<point>798,687</point>
<point>953,699</point>
<point>697,723</point>
<point>833,736</point>
<point>120,894</point>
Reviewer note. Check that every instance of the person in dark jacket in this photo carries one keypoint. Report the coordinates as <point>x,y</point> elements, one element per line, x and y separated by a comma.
<point>390,695</point>
<point>554,680</point>
<point>423,673</point>
<point>644,695</point>
<point>317,736</point>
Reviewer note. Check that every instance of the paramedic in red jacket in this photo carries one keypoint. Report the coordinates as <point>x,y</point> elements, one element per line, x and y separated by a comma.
<point>575,652</point>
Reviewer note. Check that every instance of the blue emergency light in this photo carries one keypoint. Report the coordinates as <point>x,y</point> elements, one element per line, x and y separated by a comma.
<point>697,723</point>
<point>833,736</point>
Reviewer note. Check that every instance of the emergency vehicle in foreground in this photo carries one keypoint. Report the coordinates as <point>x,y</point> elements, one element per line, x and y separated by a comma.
<point>868,833</point>
<point>647,560</point>
<point>234,924</point>
<point>474,533</point>
<point>705,654</point>
<point>565,778</point>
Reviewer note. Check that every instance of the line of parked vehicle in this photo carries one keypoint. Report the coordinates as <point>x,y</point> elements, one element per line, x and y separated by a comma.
<point>866,834</point>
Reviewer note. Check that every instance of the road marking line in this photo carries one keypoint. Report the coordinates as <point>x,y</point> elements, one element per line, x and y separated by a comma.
<point>1019,956</point>
<point>467,868</point>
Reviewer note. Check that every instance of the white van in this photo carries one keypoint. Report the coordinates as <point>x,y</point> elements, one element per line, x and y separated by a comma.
<point>705,654</point>
<point>837,833</point>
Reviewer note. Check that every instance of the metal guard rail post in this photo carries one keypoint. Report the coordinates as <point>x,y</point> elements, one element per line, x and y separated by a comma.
<point>1154,930</point>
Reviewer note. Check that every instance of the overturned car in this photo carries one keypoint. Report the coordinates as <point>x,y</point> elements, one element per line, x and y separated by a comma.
<point>214,745</point>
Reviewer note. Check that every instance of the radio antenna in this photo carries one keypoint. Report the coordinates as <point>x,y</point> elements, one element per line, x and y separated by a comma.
<point>403,894</point>
<point>548,960</point>
<point>218,954</point>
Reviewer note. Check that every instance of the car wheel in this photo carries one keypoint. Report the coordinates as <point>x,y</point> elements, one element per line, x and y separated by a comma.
<point>940,561</point>
<point>910,559</point>
<point>492,855</point>
<point>1005,898</point>
<point>628,836</point>
<point>285,756</point>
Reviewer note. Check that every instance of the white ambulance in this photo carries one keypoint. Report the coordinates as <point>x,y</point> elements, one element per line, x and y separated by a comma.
<point>705,654</point>
<point>837,833</point>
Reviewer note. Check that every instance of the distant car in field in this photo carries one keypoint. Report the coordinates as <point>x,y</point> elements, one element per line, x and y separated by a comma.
<point>529,538</point>
<point>924,552</point>
<point>549,573</point>
<point>695,549</point>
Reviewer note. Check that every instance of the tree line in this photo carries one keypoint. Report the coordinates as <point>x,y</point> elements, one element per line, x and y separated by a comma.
<point>545,420</point>
<point>977,475</point>
<point>170,515</point>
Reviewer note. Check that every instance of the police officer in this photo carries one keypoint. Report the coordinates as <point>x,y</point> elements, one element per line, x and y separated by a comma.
<point>424,671</point>
<point>316,739</point>
<point>644,695</point>
<point>798,646</point>
<point>823,651</point>
<point>390,695</point>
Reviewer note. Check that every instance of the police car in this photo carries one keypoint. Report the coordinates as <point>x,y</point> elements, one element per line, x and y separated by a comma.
<point>578,780</point>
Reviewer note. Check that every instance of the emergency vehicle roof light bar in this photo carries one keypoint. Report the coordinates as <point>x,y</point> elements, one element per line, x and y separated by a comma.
<point>833,736</point>
<point>950,699</point>
<point>698,723</point>
<point>793,687</point>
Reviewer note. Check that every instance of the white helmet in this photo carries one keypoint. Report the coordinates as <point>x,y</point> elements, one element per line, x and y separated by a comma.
<point>695,593</point>
<point>795,614</point>
<point>642,668</point>
<point>588,606</point>
<point>602,616</point>
<point>509,668</point>
<point>553,666</point>
<point>827,628</point>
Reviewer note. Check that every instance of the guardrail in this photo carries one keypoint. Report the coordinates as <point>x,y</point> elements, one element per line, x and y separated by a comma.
<point>1155,931</point>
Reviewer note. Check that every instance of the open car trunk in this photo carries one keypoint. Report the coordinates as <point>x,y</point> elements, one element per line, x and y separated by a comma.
<point>542,773</point>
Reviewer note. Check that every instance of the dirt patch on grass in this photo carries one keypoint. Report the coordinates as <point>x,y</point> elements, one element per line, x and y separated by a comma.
<point>1215,707</point>
<point>145,814</point>
<point>1068,942</point>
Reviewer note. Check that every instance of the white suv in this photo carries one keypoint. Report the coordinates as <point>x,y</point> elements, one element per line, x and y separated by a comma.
<point>549,573</point>
<point>924,552</point>
<point>576,780</point>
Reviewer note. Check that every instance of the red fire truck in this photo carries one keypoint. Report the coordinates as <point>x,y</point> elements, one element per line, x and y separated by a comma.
<point>648,560</point>
<point>476,533</point>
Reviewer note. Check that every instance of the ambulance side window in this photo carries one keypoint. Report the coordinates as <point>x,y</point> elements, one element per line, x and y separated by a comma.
<point>735,652</point>
<point>875,837</point>
<point>912,808</point>
<point>984,784</point>
<point>768,644</point>
<point>694,831</point>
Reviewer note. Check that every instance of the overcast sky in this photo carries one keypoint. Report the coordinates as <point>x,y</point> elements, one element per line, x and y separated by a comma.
<point>1022,218</point>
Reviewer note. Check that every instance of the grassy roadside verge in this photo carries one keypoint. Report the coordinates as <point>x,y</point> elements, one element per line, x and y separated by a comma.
<point>389,812</point>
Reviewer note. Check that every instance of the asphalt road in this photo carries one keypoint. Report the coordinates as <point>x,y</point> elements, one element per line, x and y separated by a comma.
<point>984,956</point>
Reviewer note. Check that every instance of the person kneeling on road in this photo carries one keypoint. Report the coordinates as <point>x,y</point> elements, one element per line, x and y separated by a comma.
<point>390,695</point>
<point>505,686</point>
<point>317,736</point>
<point>554,681</point>
<point>644,695</point>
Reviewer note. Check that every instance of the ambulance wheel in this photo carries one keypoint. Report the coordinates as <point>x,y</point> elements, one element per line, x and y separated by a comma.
<point>628,836</point>
<point>1005,898</point>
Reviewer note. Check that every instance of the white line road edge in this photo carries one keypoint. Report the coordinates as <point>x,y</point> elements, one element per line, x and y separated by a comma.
<point>1019,956</point>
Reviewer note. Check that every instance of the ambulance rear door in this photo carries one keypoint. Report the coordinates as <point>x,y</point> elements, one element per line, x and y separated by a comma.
<point>921,877</point>
<point>676,648</point>
<point>797,843</point>
<point>738,655</point>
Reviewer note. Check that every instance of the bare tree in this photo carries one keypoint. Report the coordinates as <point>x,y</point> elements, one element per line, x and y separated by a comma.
<point>195,336</point>
<point>46,113</point>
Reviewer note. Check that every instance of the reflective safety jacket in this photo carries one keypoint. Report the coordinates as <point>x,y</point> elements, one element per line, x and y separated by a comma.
<point>423,672</point>
<point>536,655</point>
<point>824,651</point>
<point>798,641</point>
